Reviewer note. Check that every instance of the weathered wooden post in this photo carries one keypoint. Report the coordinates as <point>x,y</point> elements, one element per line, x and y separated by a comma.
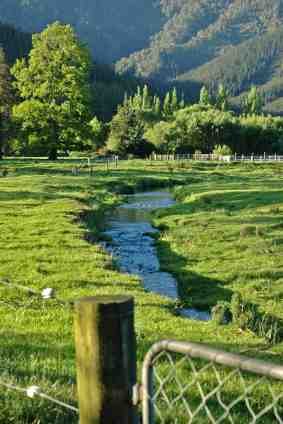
<point>106,359</point>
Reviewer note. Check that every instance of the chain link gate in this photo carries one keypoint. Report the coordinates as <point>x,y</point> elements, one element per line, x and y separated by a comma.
<point>184,383</point>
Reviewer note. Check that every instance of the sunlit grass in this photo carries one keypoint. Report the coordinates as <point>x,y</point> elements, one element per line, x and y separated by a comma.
<point>45,213</point>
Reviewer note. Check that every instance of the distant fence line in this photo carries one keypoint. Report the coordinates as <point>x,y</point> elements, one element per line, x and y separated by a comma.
<point>111,160</point>
<point>264,157</point>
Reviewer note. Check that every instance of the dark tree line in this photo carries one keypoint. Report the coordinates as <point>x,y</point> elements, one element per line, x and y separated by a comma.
<point>15,43</point>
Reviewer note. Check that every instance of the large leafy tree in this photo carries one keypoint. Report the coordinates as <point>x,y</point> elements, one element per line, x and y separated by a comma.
<point>163,137</point>
<point>6,99</point>
<point>200,128</point>
<point>127,133</point>
<point>53,84</point>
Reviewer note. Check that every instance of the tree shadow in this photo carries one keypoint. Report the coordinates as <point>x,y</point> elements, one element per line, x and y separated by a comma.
<point>194,289</point>
<point>203,293</point>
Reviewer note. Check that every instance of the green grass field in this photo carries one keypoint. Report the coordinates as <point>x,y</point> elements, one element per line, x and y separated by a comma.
<point>225,235</point>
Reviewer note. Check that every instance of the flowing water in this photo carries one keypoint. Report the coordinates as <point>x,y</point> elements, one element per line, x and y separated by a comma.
<point>134,249</point>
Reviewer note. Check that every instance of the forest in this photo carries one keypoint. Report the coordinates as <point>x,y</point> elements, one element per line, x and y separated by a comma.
<point>183,43</point>
<point>56,101</point>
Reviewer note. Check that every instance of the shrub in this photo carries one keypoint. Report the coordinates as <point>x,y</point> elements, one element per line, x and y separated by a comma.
<point>259,231</point>
<point>247,230</point>
<point>221,313</point>
<point>236,306</point>
<point>274,209</point>
<point>5,172</point>
<point>247,316</point>
<point>222,150</point>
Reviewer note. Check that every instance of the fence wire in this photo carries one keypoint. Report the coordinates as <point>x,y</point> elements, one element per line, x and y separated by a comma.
<point>190,383</point>
<point>35,391</point>
<point>46,294</point>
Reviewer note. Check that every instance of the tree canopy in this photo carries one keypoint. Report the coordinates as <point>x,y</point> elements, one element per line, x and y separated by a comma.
<point>53,85</point>
<point>6,100</point>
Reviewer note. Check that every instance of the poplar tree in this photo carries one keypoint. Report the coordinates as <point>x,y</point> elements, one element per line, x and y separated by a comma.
<point>174,100</point>
<point>157,106</point>
<point>137,100</point>
<point>146,101</point>
<point>167,105</point>
<point>222,98</point>
<point>182,102</point>
<point>253,102</point>
<point>204,98</point>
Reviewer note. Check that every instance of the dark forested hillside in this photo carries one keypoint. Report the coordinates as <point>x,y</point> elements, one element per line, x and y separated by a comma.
<point>14,43</point>
<point>181,42</point>
<point>112,31</point>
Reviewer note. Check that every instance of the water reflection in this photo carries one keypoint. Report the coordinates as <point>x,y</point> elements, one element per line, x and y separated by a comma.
<point>130,229</point>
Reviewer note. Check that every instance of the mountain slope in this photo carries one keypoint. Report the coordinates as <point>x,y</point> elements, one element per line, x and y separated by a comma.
<point>181,42</point>
<point>111,31</point>
<point>236,42</point>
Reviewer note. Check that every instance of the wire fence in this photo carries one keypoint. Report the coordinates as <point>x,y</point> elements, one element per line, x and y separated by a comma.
<point>182,383</point>
<point>35,391</point>
<point>193,383</point>
<point>46,295</point>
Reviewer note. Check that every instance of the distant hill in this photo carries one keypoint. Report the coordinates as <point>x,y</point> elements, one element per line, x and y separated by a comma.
<point>15,43</point>
<point>181,42</point>
<point>112,29</point>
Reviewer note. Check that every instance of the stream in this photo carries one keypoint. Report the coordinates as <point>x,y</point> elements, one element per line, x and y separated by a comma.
<point>129,228</point>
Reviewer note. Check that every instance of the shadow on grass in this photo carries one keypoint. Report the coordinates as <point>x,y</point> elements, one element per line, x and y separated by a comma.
<point>204,293</point>
<point>194,289</point>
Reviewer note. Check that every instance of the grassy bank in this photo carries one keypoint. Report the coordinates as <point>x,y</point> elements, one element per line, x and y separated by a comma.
<point>49,234</point>
<point>225,236</point>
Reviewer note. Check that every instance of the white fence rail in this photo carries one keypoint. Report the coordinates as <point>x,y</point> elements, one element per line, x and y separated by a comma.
<point>212,157</point>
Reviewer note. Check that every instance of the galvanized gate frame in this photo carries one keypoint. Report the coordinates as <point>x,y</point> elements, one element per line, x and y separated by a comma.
<point>214,356</point>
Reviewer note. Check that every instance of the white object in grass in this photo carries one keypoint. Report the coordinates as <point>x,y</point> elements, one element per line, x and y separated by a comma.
<point>48,293</point>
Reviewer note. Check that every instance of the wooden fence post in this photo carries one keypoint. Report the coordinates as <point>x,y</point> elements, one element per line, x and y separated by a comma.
<point>106,359</point>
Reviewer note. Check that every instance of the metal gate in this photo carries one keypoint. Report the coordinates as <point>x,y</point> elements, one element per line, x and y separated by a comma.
<point>193,383</point>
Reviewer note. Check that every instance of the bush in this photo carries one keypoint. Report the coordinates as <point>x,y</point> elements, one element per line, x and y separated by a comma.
<point>274,209</point>
<point>236,306</point>
<point>221,313</point>
<point>222,150</point>
<point>5,172</point>
<point>247,230</point>
<point>259,231</point>
<point>247,316</point>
